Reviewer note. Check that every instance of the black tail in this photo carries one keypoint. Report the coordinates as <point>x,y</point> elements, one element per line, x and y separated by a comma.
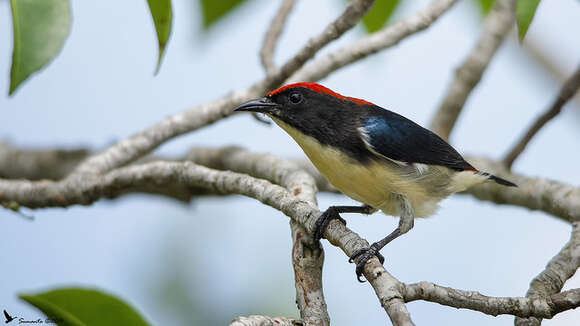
<point>498,180</point>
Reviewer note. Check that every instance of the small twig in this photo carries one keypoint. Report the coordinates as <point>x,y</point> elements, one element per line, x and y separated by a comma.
<point>15,208</point>
<point>542,307</point>
<point>551,280</point>
<point>497,25</point>
<point>568,91</point>
<point>269,45</point>
<point>273,34</point>
<point>373,43</point>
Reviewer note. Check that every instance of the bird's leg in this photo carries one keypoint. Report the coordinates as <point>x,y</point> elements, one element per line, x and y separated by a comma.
<point>333,212</point>
<point>406,222</point>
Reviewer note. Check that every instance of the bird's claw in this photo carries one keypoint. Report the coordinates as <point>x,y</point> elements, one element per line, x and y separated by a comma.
<point>365,254</point>
<point>322,222</point>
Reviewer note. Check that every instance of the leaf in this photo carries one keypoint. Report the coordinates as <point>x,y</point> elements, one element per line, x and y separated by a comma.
<point>162,18</point>
<point>75,306</point>
<point>40,30</point>
<point>213,10</point>
<point>379,14</point>
<point>486,6</point>
<point>525,11</point>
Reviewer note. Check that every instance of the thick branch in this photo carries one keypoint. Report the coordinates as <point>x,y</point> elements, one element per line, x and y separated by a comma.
<point>566,93</point>
<point>545,307</point>
<point>38,164</point>
<point>373,43</point>
<point>498,23</point>
<point>86,191</point>
<point>307,254</point>
<point>307,262</point>
<point>273,34</point>
<point>560,269</point>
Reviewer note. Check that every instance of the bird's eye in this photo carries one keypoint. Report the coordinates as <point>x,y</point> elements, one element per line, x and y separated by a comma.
<point>295,98</point>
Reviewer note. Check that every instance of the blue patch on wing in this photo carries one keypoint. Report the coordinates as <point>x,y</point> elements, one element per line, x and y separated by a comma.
<point>399,138</point>
<point>380,130</point>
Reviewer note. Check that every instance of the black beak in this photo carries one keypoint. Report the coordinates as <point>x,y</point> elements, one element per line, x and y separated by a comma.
<point>262,105</point>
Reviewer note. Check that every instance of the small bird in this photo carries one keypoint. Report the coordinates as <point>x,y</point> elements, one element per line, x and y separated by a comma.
<point>373,155</point>
<point>8,317</point>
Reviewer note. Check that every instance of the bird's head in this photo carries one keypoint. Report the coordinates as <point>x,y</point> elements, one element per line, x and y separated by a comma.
<point>304,106</point>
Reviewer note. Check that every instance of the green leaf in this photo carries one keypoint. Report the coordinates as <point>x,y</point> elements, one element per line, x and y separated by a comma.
<point>162,18</point>
<point>213,10</point>
<point>40,30</point>
<point>76,307</point>
<point>525,11</point>
<point>486,6</point>
<point>379,14</point>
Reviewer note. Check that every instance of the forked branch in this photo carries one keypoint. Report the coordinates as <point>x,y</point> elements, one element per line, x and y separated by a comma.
<point>568,91</point>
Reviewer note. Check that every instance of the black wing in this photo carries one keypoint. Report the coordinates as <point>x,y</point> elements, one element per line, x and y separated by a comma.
<point>400,139</point>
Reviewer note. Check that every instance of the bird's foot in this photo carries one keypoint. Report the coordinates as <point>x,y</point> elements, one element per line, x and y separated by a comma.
<point>322,223</point>
<point>365,254</point>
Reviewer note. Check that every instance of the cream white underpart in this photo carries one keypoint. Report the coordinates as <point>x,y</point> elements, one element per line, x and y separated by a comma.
<point>378,183</point>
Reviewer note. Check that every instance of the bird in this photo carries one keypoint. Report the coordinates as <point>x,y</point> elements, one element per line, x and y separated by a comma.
<point>373,155</point>
<point>8,317</point>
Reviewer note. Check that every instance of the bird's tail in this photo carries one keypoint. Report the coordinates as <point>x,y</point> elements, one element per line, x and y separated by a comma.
<point>497,180</point>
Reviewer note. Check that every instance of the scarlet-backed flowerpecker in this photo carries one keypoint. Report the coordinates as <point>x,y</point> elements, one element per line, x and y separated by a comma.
<point>372,155</point>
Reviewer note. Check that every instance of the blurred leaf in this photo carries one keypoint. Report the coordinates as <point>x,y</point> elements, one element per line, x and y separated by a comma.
<point>525,11</point>
<point>40,29</point>
<point>379,14</point>
<point>486,5</point>
<point>162,18</point>
<point>84,307</point>
<point>213,10</point>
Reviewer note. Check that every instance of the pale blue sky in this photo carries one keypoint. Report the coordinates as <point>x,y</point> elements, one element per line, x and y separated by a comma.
<point>101,89</point>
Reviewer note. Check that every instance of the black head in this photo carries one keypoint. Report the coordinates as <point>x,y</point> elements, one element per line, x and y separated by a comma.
<point>318,112</point>
<point>311,108</point>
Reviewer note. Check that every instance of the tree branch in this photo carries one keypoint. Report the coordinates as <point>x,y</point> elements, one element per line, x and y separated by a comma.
<point>544,307</point>
<point>354,12</point>
<point>273,34</point>
<point>38,164</point>
<point>555,198</point>
<point>257,320</point>
<point>551,280</point>
<point>566,93</point>
<point>498,23</point>
<point>71,191</point>
<point>307,254</point>
<point>373,43</point>
<point>307,261</point>
<point>146,141</point>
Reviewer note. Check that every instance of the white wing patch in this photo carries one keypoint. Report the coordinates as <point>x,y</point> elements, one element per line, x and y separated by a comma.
<point>421,168</point>
<point>366,140</point>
